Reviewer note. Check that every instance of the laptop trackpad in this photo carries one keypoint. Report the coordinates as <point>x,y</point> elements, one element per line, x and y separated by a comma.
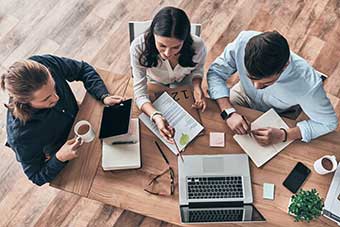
<point>213,164</point>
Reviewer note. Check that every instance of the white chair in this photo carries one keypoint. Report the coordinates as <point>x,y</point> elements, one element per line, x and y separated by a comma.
<point>138,27</point>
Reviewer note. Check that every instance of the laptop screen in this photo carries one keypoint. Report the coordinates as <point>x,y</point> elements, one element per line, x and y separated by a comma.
<point>246,213</point>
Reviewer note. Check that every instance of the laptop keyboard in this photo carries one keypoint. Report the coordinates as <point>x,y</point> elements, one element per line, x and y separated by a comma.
<point>216,215</point>
<point>215,187</point>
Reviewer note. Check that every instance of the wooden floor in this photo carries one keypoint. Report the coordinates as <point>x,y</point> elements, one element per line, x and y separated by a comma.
<point>97,31</point>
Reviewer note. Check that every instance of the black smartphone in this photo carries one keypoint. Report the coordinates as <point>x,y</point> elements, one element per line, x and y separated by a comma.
<point>296,177</point>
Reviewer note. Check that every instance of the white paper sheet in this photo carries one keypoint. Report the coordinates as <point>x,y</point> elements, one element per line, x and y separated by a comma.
<point>186,127</point>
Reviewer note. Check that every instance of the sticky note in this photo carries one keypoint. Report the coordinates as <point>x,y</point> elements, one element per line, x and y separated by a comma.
<point>216,139</point>
<point>268,191</point>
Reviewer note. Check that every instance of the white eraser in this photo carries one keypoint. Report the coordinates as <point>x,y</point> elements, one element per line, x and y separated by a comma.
<point>216,139</point>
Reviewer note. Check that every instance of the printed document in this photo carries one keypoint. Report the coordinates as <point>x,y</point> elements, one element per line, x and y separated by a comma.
<point>186,127</point>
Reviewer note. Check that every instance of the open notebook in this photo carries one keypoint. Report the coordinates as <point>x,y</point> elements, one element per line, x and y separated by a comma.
<point>259,154</point>
<point>125,154</point>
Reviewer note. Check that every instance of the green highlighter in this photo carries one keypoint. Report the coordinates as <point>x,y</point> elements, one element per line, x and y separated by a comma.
<point>268,191</point>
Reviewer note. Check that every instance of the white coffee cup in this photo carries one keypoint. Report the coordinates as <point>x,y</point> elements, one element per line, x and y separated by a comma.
<point>320,164</point>
<point>84,131</point>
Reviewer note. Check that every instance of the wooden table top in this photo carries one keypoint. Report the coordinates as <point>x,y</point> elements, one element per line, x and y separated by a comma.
<point>84,176</point>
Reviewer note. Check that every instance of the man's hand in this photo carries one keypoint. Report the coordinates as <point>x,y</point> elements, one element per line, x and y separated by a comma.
<point>199,98</point>
<point>268,136</point>
<point>238,124</point>
<point>69,150</point>
<point>164,128</point>
<point>113,100</point>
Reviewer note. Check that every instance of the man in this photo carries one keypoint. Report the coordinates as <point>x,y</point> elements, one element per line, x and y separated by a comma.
<point>42,109</point>
<point>271,76</point>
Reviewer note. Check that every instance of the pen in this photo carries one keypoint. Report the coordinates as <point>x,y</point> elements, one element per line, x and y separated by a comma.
<point>249,125</point>
<point>124,142</point>
<point>160,150</point>
<point>179,153</point>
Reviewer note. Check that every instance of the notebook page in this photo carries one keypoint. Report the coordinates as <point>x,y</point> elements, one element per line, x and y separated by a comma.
<point>260,154</point>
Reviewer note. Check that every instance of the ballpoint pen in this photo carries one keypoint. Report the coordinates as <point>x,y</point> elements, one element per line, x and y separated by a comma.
<point>179,153</point>
<point>124,142</point>
<point>249,126</point>
<point>163,155</point>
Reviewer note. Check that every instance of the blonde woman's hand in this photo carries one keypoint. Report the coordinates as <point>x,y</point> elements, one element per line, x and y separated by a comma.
<point>113,100</point>
<point>69,150</point>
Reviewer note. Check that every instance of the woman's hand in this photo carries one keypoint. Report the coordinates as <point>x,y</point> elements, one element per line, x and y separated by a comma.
<point>69,150</point>
<point>200,102</point>
<point>164,128</point>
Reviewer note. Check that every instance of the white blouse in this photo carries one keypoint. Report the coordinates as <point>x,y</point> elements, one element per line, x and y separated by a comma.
<point>163,73</point>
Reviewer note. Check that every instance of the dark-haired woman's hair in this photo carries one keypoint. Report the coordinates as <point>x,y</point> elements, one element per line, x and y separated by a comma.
<point>266,54</point>
<point>173,23</point>
<point>21,80</point>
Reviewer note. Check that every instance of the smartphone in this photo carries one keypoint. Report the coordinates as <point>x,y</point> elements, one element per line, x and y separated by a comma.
<point>296,177</point>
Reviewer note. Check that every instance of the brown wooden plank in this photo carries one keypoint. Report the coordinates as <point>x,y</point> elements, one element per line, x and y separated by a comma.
<point>129,219</point>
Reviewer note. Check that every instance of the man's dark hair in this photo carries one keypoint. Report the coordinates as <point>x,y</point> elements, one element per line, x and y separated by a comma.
<point>266,54</point>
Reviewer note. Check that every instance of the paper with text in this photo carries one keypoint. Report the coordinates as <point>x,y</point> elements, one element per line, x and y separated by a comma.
<point>186,127</point>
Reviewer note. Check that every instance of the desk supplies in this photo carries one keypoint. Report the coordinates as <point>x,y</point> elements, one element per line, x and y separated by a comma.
<point>260,154</point>
<point>125,155</point>
<point>216,139</point>
<point>186,127</point>
<point>268,191</point>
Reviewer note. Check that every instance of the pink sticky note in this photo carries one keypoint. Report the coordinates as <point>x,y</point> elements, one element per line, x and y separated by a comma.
<point>216,139</point>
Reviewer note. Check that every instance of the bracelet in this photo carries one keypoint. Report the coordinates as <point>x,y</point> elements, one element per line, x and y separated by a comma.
<point>154,114</point>
<point>286,134</point>
<point>103,97</point>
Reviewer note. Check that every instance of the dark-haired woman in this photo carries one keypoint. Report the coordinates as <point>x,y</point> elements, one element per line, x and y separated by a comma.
<point>167,54</point>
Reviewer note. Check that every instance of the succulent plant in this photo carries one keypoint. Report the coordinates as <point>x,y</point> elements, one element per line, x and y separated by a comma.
<point>306,205</point>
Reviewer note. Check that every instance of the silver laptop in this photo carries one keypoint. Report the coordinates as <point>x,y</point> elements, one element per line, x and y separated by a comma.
<point>331,209</point>
<point>216,189</point>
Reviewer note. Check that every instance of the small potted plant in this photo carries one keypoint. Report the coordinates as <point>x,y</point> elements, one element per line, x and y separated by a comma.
<point>305,205</point>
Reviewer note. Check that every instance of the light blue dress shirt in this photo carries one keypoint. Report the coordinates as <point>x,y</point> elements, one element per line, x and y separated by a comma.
<point>299,84</point>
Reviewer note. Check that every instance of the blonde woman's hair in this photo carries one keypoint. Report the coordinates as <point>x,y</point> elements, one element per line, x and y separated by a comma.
<point>21,80</point>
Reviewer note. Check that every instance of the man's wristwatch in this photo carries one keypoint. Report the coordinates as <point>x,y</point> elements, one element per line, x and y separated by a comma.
<point>225,114</point>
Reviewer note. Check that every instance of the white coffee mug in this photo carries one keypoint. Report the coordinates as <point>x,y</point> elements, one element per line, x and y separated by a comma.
<point>84,131</point>
<point>319,167</point>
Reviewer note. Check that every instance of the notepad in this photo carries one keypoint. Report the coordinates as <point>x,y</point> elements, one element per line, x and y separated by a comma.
<point>125,155</point>
<point>268,191</point>
<point>260,154</point>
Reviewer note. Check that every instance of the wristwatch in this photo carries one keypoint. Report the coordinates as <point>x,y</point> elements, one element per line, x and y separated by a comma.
<point>225,114</point>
